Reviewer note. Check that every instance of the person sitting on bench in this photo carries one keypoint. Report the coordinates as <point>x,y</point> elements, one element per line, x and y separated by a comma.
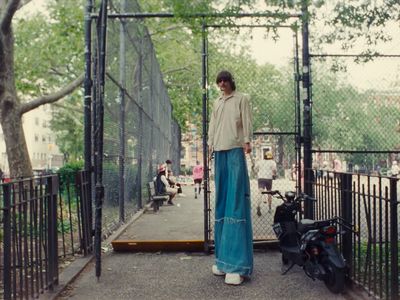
<point>162,185</point>
<point>172,181</point>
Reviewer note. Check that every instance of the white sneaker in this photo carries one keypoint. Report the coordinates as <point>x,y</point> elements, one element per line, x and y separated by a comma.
<point>216,271</point>
<point>233,279</point>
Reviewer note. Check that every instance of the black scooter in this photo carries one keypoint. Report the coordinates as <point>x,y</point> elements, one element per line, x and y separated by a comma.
<point>308,243</point>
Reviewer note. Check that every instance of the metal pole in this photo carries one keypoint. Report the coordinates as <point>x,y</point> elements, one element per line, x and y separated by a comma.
<point>205,147</point>
<point>297,79</point>
<point>100,134</point>
<point>347,214</point>
<point>87,104</point>
<point>122,78</point>
<point>394,247</point>
<point>307,121</point>
<point>140,127</point>
<point>7,241</point>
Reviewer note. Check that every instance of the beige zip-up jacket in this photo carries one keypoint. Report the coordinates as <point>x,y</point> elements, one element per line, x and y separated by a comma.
<point>230,122</point>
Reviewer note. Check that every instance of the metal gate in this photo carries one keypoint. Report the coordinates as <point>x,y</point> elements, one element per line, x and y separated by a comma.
<point>276,108</point>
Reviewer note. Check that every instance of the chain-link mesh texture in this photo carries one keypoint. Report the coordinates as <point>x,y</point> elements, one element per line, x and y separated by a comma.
<point>272,95</point>
<point>150,135</point>
<point>355,108</point>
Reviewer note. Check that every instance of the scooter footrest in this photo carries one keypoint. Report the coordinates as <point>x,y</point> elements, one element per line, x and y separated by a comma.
<point>294,250</point>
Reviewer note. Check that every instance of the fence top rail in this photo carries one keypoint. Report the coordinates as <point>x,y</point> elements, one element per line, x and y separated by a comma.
<point>352,55</point>
<point>354,151</point>
<point>250,26</point>
<point>266,14</point>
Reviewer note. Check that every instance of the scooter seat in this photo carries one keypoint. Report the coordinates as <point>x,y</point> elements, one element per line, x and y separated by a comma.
<point>306,224</point>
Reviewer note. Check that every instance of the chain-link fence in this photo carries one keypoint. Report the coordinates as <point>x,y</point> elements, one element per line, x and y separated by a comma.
<point>356,113</point>
<point>139,130</point>
<point>272,87</point>
<point>356,118</point>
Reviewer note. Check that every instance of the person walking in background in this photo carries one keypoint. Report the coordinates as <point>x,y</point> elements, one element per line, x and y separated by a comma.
<point>229,136</point>
<point>197,174</point>
<point>266,172</point>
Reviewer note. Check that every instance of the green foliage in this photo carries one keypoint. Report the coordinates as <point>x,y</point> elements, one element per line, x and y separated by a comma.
<point>68,173</point>
<point>49,54</point>
<point>111,180</point>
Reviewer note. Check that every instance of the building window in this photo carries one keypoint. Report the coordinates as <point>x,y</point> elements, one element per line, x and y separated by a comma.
<point>36,137</point>
<point>44,124</point>
<point>36,121</point>
<point>43,138</point>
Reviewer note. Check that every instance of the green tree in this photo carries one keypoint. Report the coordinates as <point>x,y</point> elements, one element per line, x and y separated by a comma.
<point>22,91</point>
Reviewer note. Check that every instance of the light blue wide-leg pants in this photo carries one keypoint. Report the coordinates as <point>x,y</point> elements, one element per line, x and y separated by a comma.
<point>233,235</point>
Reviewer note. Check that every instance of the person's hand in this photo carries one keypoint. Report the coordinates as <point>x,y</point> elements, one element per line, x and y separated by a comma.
<point>247,148</point>
<point>210,153</point>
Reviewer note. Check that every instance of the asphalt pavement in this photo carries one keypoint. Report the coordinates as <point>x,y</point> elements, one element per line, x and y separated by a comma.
<point>180,275</point>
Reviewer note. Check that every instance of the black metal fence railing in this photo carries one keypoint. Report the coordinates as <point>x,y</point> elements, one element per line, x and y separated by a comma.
<point>44,220</point>
<point>370,203</point>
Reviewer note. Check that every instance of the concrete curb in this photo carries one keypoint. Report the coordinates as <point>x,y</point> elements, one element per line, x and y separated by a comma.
<point>72,271</point>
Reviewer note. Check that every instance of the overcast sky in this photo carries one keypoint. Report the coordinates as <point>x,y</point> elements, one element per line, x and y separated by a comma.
<point>380,73</point>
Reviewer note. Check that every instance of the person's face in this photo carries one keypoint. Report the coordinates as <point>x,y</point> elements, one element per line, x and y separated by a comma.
<point>224,86</point>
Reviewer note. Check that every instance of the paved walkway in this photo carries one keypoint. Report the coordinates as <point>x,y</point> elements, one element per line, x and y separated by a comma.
<point>185,275</point>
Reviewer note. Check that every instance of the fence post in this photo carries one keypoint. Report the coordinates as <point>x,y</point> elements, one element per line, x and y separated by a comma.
<point>394,268</point>
<point>307,116</point>
<point>346,214</point>
<point>52,244</point>
<point>7,240</point>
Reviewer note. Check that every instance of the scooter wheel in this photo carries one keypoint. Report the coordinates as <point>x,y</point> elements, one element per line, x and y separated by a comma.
<point>335,278</point>
<point>285,261</point>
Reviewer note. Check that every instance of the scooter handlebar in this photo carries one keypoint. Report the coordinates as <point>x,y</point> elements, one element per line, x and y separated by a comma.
<point>270,192</point>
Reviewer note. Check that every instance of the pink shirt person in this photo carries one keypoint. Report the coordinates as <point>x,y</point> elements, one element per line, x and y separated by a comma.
<point>198,172</point>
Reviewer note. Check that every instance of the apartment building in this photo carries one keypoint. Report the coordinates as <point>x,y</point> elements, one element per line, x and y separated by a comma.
<point>192,149</point>
<point>40,140</point>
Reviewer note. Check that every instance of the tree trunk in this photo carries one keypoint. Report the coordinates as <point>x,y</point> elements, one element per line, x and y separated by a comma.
<point>17,150</point>
<point>10,111</point>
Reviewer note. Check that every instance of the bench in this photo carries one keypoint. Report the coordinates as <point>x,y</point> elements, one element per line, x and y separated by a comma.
<point>155,200</point>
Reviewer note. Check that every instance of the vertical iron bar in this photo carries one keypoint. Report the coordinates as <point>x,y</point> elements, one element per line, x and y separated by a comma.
<point>78,214</point>
<point>67,183</point>
<point>60,200</point>
<point>380,239</point>
<point>205,146</point>
<point>37,237</point>
<point>140,141</point>
<point>359,226</point>
<point>100,134</point>
<point>347,213</point>
<point>82,211</point>
<point>18,234</point>
<point>297,111</point>
<point>52,245</point>
<point>307,120</point>
<point>122,76</point>
<point>42,239</point>
<point>25,238</point>
<point>374,280</point>
<point>353,269</point>
<point>88,84</point>
<point>387,228</point>
<point>14,214</point>
<point>394,247</point>
<point>7,241</point>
